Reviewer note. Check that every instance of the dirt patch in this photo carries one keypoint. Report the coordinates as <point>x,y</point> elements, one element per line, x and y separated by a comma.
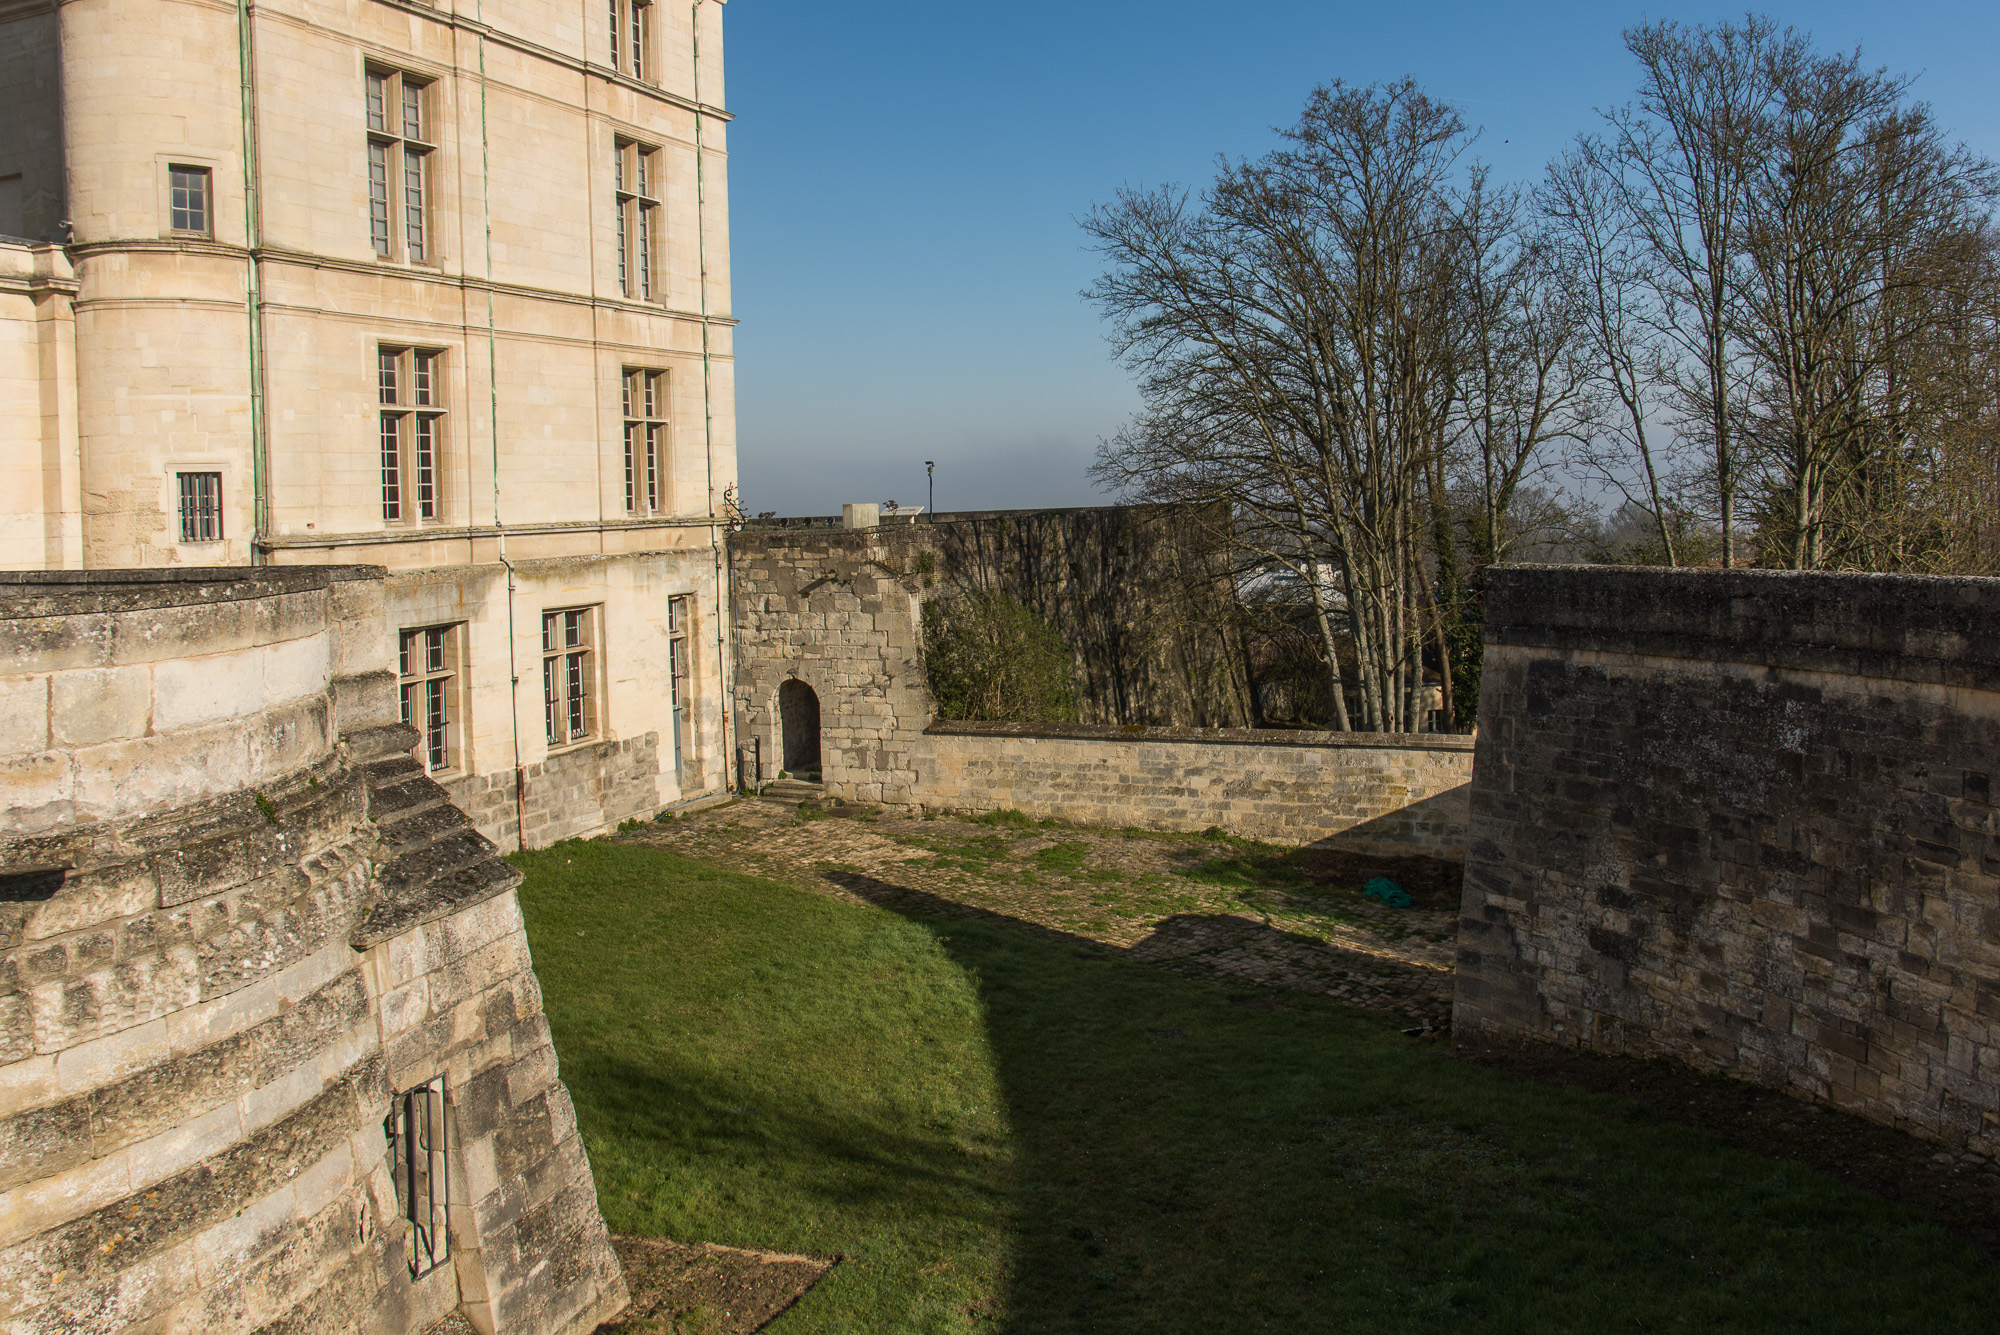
<point>1251,914</point>
<point>698,1288</point>
<point>1959,1191</point>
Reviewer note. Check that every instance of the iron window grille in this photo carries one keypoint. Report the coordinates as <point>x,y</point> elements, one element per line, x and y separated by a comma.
<point>636,187</point>
<point>200,506</point>
<point>400,144</point>
<point>428,673</point>
<point>409,384</point>
<point>189,210</point>
<point>678,679</point>
<point>418,1143</point>
<point>569,674</point>
<point>632,37</point>
<point>643,396</point>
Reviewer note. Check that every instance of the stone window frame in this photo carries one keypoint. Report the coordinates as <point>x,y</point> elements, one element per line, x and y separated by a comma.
<point>572,656</point>
<point>400,110</point>
<point>680,674</point>
<point>638,206</point>
<point>190,521</point>
<point>430,685</point>
<point>419,1137</point>
<point>642,397</point>
<point>188,214</point>
<point>631,39</point>
<point>411,407</point>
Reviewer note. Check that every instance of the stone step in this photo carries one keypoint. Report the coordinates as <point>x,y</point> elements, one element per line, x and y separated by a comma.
<point>792,790</point>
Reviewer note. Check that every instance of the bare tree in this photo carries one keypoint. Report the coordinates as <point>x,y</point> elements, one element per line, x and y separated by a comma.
<point>1294,332</point>
<point>1683,157</point>
<point>1852,228</point>
<point>1600,256</point>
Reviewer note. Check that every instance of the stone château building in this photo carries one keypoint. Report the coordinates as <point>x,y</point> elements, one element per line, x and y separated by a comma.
<point>439,287</point>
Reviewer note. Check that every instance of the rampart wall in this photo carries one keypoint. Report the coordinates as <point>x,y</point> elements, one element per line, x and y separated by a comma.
<point>840,612</point>
<point>237,921</point>
<point>1368,793</point>
<point>1746,820</point>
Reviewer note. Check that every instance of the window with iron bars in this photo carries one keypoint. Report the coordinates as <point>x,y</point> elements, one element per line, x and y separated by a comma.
<point>428,674</point>
<point>400,144</point>
<point>417,1137</point>
<point>632,37</point>
<point>410,387</point>
<point>644,395</point>
<point>569,674</point>
<point>636,189</point>
<point>678,680</point>
<point>200,506</point>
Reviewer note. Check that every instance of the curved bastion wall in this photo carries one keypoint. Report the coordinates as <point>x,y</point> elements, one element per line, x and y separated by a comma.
<point>1745,819</point>
<point>242,931</point>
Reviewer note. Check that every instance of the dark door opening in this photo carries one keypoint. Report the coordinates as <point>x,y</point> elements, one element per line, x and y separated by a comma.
<point>798,718</point>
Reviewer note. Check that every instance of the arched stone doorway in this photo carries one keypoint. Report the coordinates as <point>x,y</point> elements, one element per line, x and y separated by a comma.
<point>798,722</point>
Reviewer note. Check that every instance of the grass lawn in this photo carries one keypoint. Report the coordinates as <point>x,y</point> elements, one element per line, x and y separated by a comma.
<point>1006,1130</point>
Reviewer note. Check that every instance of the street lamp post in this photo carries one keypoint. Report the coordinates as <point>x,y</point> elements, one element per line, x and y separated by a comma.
<point>930,476</point>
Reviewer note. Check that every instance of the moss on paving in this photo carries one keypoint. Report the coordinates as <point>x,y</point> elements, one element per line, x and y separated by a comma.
<point>1002,1129</point>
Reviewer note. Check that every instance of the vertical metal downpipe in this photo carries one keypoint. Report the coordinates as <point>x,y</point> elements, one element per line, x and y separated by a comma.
<point>493,426</point>
<point>716,534</point>
<point>253,290</point>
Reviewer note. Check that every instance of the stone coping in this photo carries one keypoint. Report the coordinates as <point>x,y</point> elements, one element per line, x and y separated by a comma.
<point>1113,732</point>
<point>42,593</point>
<point>1943,630</point>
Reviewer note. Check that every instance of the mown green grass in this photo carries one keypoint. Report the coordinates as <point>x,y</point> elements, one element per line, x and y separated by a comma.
<point>1008,1131</point>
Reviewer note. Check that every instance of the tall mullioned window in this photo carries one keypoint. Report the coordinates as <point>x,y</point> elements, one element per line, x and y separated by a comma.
<point>645,404</point>
<point>427,671</point>
<point>400,145</point>
<point>678,679</point>
<point>189,209</point>
<point>636,187</point>
<point>569,674</point>
<point>631,37</point>
<point>410,387</point>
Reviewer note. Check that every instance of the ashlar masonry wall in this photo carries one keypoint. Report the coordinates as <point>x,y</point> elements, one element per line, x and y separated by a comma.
<point>237,921</point>
<point>1745,819</point>
<point>1362,791</point>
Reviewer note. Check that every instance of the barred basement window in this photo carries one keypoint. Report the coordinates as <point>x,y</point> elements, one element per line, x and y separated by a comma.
<point>409,384</point>
<point>188,207</point>
<point>428,672</point>
<point>400,144</point>
<point>417,1143</point>
<point>200,506</point>
<point>636,191</point>
<point>569,670</point>
<point>645,404</point>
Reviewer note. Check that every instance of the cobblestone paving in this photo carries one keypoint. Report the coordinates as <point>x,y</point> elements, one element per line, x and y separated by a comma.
<point>1206,905</point>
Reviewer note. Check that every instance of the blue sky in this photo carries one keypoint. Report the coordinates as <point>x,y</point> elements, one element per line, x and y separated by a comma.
<point>905,179</point>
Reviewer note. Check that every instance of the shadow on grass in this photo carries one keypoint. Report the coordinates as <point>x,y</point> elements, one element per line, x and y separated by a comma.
<point>1186,1163</point>
<point>1224,948</point>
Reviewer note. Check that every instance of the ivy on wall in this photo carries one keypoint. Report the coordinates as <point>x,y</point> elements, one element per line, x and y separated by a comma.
<point>988,657</point>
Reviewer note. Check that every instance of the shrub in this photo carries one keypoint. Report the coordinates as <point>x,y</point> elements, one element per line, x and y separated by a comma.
<point>987,657</point>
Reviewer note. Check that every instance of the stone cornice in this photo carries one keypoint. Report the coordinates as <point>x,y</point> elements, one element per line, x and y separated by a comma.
<point>464,533</point>
<point>413,273</point>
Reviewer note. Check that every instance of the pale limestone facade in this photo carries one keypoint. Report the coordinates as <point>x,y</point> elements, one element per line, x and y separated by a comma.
<point>237,928</point>
<point>247,347</point>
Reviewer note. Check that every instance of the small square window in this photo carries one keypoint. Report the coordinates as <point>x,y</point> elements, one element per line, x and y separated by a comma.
<point>189,208</point>
<point>200,506</point>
